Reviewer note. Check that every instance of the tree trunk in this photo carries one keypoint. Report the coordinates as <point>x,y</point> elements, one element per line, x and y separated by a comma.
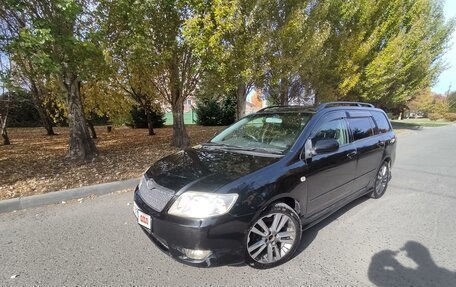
<point>5,137</point>
<point>37,96</point>
<point>180,136</point>
<point>150,123</point>
<point>48,126</point>
<point>241,99</point>
<point>3,120</point>
<point>45,120</point>
<point>283,97</point>
<point>92,129</point>
<point>82,147</point>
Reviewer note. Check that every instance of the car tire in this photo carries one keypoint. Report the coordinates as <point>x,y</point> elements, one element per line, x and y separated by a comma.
<point>381,181</point>
<point>273,237</point>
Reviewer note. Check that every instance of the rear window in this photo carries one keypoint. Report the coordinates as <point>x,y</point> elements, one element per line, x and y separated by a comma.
<point>361,127</point>
<point>382,122</point>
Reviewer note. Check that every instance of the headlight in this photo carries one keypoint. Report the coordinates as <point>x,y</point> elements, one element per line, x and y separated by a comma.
<point>202,204</point>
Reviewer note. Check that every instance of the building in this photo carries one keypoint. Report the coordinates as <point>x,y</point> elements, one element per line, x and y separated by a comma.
<point>255,101</point>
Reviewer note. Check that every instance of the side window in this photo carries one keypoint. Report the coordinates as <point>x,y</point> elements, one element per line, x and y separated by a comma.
<point>361,127</point>
<point>382,122</point>
<point>335,129</point>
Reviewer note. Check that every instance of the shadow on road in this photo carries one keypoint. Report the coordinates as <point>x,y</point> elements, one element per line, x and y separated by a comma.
<point>406,126</point>
<point>310,234</point>
<point>386,269</point>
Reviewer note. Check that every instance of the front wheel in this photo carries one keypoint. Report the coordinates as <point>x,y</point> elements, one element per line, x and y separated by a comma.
<point>381,181</point>
<point>274,237</point>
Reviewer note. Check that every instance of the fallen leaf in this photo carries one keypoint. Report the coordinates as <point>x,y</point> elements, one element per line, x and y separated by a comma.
<point>37,163</point>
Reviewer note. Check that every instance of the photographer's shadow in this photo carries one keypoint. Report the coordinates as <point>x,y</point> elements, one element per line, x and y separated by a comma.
<point>386,270</point>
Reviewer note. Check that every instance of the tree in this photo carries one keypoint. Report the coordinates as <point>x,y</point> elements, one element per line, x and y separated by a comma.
<point>216,111</point>
<point>288,31</point>
<point>440,105</point>
<point>102,97</point>
<point>149,36</point>
<point>422,103</point>
<point>5,98</point>
<point>56,39</point>
<point>226,35</point>
<point>139,120</point>
<point>383,52</point>
<point>5,103</point>
<point>411,60</point>
<point>129,61</point>
<point>451,98</point>
<point>23,73</point>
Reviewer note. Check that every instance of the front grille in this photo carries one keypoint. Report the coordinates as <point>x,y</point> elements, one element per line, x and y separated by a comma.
<point>155,196</point>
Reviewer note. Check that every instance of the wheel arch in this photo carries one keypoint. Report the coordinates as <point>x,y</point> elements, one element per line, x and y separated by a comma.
<point>288,199</point>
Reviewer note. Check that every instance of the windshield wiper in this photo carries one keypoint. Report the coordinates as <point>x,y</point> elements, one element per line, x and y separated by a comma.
<point>234,147</point>
<point>266,150</point>
<point>228,146</point>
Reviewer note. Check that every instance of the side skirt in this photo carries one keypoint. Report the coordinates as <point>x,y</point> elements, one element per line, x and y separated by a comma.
<point>325,213</point>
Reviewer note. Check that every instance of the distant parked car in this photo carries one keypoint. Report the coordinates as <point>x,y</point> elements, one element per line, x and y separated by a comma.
<point>247,194</point>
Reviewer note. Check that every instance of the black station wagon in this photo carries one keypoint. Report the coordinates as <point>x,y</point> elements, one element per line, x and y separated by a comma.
<point>247,194</point>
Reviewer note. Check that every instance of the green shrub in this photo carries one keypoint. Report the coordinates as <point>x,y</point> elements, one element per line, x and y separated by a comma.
<point>23,114</point>
<point>435,116</point>
<point>450,117</point>
<point>216,112</point>
<point>97,119</point>
<point>139,118</point>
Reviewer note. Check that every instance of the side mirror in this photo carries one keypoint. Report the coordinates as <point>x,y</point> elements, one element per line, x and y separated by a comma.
<point>326,146</point>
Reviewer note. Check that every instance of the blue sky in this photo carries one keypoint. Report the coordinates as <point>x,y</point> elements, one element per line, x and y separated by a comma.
<point>448,77</point>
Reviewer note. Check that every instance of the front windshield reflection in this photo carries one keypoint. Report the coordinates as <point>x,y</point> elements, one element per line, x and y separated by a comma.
<point>274,132</point>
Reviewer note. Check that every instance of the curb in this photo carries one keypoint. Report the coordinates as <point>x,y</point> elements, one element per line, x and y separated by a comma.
<point>59,196</point>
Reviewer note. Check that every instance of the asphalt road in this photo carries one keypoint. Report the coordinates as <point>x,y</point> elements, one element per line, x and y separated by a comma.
<point>406,238</point>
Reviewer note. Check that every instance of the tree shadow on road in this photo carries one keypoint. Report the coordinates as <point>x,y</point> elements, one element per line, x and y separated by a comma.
<point>386,270</point>
<point>406,126</point>
<point>309,235</point>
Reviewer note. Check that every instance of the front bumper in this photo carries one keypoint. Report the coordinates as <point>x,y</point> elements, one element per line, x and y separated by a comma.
<point>224,236</point>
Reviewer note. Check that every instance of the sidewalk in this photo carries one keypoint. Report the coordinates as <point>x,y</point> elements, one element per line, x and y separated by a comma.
<point>64,195</point>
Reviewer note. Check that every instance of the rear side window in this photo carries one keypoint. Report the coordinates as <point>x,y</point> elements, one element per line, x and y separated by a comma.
<point>361,127</point>
<point>382,122</point>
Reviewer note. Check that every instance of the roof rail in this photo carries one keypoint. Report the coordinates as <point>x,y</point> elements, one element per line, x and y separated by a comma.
<point>272,107</point>
<point>332,104</point>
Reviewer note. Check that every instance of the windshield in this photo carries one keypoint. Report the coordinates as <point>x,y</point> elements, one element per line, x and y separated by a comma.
<point>274,132</point>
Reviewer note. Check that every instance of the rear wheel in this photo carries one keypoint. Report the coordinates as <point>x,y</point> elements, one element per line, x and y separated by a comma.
<point>381,181</point>
<point>274,237</point>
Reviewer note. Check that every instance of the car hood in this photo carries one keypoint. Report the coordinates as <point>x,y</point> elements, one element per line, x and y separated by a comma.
<point>204,168</point>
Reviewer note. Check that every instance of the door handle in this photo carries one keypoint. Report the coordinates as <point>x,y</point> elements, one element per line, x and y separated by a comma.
<point>352,154</point>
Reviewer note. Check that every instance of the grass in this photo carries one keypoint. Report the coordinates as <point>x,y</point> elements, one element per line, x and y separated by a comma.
<point>35,163</point>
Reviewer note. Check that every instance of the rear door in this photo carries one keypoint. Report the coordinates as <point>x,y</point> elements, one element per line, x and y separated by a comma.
<point>331,174</point>
<point>369,146</point>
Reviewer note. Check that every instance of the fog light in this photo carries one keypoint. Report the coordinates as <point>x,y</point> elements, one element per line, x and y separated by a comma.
<point>196,254</point>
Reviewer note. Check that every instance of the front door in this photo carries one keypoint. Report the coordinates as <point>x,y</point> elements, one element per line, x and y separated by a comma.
<point>330,175</point>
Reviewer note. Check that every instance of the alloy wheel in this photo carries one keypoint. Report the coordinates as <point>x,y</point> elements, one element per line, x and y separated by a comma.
<point>271,238</point>
<point>382,179</point>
